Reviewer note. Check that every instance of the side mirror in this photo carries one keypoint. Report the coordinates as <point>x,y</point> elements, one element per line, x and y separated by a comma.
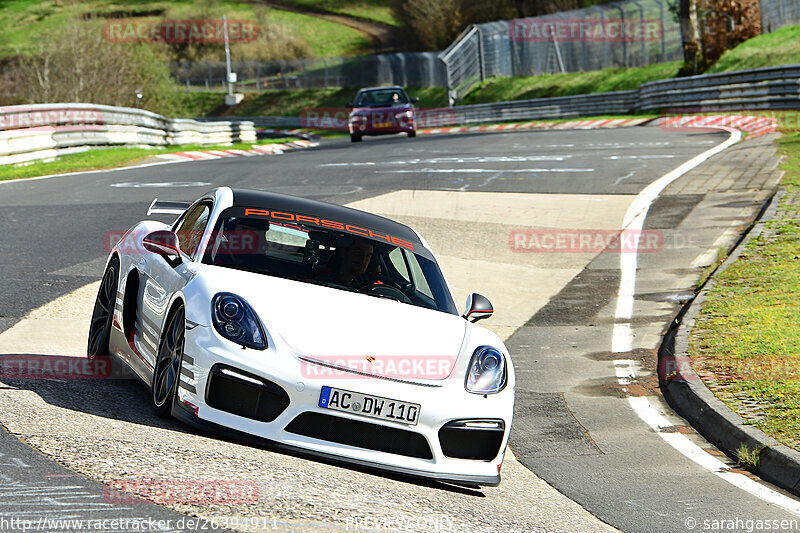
<point>478,308</point>
<point>162,242</point>
<point>415,100</point>
<point>349,105</point>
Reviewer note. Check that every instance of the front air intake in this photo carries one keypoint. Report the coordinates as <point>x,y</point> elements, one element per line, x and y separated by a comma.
<point>241,393</point>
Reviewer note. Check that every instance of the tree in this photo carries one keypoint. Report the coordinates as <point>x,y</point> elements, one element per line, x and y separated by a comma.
<point>77,64</point>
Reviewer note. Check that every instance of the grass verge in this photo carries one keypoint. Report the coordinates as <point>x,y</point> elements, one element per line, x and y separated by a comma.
<point>288,103</point>
<point>104,158</point>
<point>374,10</point>
<point>26,22</point>
<point>747,335</point>
<point>781,47</point>
<point>568,84</point>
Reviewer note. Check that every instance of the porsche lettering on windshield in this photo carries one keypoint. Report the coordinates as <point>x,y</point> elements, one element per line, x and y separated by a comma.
<point>282,216</point>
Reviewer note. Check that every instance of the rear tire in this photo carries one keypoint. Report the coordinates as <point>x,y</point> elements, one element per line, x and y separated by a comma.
<point>355,137</point>
<point>103,313</point>
<point>167,372</point>
<point>412,134</point>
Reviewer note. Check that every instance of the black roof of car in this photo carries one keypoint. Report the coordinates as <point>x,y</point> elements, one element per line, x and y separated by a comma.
<point>388,87</point>
<point>323,210</point>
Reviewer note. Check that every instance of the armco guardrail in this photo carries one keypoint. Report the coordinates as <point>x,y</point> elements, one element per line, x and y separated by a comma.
<point>617,103</point>
<point>758,89</point>
<point>46,130</point>
<point>762,88</point>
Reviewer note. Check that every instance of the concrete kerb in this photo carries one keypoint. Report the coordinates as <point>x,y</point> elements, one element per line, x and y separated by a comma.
<point>689,396</point>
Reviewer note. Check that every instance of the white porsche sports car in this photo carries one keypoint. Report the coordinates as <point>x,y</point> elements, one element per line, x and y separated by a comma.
<point>313,326</point>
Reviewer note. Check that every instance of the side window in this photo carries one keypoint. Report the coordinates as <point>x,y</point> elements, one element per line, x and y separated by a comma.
<point>399,264</point>
<point>420,282</point>
<point>190,228</point>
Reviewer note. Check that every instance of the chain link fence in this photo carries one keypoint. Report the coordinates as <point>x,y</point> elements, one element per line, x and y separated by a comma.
<point>779,13</point>
<point>628,33</point>
<point>632,33</point>
<point>422,69</point>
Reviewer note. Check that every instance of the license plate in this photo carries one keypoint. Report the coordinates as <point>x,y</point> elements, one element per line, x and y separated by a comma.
<point>368,405</point>
<point>383,124</point>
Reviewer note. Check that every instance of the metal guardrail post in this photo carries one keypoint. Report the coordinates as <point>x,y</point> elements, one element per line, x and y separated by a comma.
<point>481,59</point>
<point>645,56</point>
<point>663,31</point>
<point>622,22</point>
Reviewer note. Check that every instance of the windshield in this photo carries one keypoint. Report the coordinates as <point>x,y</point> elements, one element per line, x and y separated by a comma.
<point>381,98</point>
<point>311,254</point>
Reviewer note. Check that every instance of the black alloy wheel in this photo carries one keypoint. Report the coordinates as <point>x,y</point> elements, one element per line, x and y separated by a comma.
<point>103,313</point>
<point>168,363</point>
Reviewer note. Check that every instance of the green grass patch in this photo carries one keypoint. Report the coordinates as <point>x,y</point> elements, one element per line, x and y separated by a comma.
<point>568,84</point>
<point>26,22</point>
<point>288,103</point>
<point>374,10</point>
<point>327,39</point>
<point>747,331</point>
<point>781,47</point>
<point>104,158</point>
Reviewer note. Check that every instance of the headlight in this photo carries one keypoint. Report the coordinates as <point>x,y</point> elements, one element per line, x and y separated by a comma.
<point>405,115</point>
<point>235,320</point>
<point>487,372</point>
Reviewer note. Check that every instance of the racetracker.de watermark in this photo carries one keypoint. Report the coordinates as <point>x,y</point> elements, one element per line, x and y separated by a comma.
<point>545,30</point>
<point>237,242</point>
<point>336,118</point>
<point>55,367</point>
<point>387,366</point>
<point>585,241</point>
<point>179,31</point>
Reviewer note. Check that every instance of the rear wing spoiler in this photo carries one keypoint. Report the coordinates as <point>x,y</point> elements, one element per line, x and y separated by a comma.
<point>164,207</point>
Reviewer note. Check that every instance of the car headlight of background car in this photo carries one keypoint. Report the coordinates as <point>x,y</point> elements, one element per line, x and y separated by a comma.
<point>235,320</point>
<point>487,372</point>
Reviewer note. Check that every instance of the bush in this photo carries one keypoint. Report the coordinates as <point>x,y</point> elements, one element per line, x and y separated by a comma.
<point>77,64</point>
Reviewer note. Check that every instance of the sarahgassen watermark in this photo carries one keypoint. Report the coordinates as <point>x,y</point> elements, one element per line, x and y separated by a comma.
<point>179,31</point>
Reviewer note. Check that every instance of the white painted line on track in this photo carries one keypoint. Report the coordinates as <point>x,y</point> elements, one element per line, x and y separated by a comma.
<point>450,160</point>
<point>659,423</point>
<point>143,165</point>
<point>622,341</point>
<point>480,170</point>
<point>634,220</point>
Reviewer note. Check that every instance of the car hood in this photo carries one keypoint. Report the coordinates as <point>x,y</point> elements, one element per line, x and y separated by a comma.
<point>384,109</point>
<point>343,328</point>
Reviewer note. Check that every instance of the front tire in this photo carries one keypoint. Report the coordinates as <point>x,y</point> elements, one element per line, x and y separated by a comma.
<point>167,372</point>
<point>355,137</point>
<point>103,313</point>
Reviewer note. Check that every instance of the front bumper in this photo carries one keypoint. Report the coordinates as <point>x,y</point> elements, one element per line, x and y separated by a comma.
<point>441,403</point>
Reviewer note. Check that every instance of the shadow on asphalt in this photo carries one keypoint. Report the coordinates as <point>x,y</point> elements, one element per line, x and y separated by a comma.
<point>129,400</point>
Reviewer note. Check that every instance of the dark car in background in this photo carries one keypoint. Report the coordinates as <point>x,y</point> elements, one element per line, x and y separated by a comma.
<point>380,111</point>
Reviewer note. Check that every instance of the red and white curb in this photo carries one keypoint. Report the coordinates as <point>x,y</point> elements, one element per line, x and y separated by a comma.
<point>753,125</point>
<point>538,125</point>
<point>257,149</point>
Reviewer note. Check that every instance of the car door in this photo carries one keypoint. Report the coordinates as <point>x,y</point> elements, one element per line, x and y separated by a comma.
<point>163,277</point>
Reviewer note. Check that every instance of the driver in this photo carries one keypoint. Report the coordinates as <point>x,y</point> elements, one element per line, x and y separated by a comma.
<point>348,266</point>
<point>353,263</point>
